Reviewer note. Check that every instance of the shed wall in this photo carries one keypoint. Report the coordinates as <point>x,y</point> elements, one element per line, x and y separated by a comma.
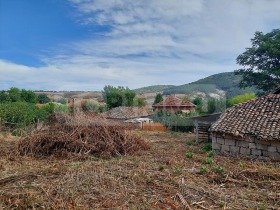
<point>250,146</point>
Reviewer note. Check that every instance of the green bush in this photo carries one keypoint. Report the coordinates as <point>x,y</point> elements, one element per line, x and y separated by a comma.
<point>206,147</point>
<point>90,106</point>
<point>18,114</point>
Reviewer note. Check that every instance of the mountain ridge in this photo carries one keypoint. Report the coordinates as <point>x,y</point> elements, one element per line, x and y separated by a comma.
<point>225,81</point>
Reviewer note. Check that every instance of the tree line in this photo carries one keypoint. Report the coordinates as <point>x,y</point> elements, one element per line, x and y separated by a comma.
<point>16,95</point>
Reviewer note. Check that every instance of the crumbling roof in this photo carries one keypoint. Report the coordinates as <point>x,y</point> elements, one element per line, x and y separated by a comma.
<point>172,101</point>
<point>123,112</point>
<point>258,117</point>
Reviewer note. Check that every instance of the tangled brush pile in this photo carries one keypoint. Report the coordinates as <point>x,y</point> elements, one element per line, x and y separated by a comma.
<point>70,135</point>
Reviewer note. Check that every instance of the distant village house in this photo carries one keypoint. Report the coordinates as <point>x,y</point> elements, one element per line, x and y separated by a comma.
<point>173,104</point>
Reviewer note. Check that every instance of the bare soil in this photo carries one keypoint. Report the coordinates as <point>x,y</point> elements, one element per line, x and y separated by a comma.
<point>159,178</point>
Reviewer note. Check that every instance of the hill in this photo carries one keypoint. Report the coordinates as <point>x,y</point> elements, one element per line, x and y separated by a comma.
<point>152,89</point>
<point>227,82</point>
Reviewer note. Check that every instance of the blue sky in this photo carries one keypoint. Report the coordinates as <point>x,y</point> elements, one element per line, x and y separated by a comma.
<point>87,44</point>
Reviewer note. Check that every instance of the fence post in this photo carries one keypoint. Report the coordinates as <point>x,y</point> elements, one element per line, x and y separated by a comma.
<point>196,131</point>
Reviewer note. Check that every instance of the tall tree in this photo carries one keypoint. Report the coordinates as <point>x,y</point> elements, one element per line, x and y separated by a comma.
<point>28,96</point>
<point>4,97</point>
<point>261,62</point>
<point>158,98</point>
<point>14,94</point>
<point>43,99</point>
<point>118,96</point>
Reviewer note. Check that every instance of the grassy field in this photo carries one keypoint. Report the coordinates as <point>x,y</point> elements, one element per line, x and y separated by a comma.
<point>163,177</point>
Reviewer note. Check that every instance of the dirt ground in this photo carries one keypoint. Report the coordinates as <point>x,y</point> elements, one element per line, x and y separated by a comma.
<point>160,178</point>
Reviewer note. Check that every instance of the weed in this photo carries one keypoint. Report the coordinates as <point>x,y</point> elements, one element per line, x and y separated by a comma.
<point>93,158</point>
<point>149,181</point>
<point>161,167</point>
<point>178,169</point>
<point>210,154</point>
<point>189,154</point>
<point>209,161</point>
<point>221,203</point>
<point>262,207</point>
<point>190,142</point>
<point>203,170</point>
<point>219,169</point>
<point>241,164</point>
<point>206,147</point>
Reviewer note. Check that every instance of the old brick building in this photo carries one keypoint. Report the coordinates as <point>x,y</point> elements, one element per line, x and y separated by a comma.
<point>251,128</point>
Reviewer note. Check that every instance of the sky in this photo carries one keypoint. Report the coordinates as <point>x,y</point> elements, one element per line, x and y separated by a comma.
<point>87,44</point>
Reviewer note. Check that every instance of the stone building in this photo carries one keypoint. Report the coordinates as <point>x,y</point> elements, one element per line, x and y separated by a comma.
<point>174,104</point>
<point>251,128</point>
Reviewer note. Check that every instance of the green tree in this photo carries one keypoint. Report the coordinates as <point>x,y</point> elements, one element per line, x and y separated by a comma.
<point>216,105</point>
<point>28,96</point>
<point>241,98</point>
<point>158,98</point>
<point>211,105</point>
<point>43,99</point>
<point>261,62</point>
<point>4,97</point>
<point>199,103</point>
<point>14,94</point>
<point>140,102</point>
<point>118,96</point>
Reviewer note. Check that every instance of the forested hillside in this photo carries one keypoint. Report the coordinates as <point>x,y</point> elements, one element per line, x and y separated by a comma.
<point>227,82</point>
<point>153,88</point>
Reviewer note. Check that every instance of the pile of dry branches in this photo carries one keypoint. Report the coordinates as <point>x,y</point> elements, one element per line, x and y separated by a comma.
<point>71,135</point>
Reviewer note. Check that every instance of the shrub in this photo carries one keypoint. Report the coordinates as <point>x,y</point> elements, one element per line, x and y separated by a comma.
<point>60,107</point>
<point>43,99</point>
<point>62,100</point>
<point>18,114</point>
<point>206,147</point>
<point>90,106</point>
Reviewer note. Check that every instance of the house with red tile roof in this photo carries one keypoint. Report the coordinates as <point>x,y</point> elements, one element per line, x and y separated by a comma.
<point>174,104</point>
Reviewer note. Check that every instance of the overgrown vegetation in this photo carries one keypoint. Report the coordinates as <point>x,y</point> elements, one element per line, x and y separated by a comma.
<point>240,98</point>
<point>16,95</point>
<point>22,115</point>
<point>176,121</point>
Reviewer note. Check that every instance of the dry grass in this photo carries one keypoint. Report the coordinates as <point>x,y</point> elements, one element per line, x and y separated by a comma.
<point>154,127</point>
<point>159,178</point>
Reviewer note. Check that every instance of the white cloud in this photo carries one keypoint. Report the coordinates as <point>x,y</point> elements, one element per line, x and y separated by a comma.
<point>150,42</point>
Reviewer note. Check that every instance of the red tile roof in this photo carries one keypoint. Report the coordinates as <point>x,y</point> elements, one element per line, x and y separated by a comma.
<point>258,117</point>
<point>123,112</point>
<point>172,101</point>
